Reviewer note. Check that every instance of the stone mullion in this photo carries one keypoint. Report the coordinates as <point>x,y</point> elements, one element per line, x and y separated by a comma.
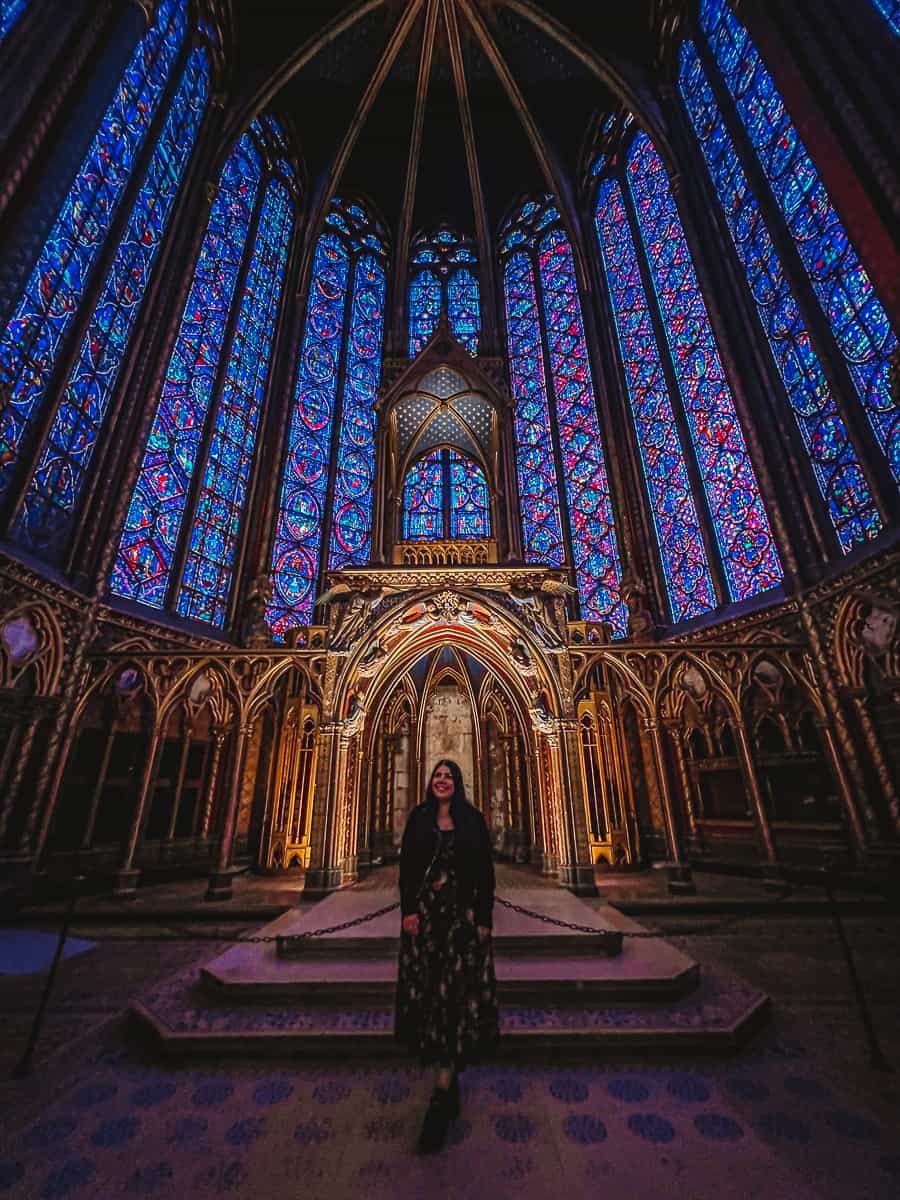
<point>274,431</point>
<point>688,450</point>
<point>336,420</point>
<point>142,381</point>
<point>550,387</point>
<point>596,315</point>
<point>642,551</point>
<point>195,483</point>
<point>869,452</point>
<point>805,533</point>
<point>39,428</point>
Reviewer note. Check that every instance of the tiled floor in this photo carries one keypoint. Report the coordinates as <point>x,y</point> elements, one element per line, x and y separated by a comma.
<point>760,1127</point>
<point>798,1115</point>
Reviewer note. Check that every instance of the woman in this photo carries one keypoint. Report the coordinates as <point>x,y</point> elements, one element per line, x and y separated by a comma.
<point>446,992</point>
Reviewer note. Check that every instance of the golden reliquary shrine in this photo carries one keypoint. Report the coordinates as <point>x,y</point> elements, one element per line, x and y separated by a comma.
<point>345,432</point>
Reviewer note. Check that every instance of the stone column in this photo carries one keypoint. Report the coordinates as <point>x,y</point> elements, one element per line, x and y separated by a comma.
<point>771,870</point>
<point>219,887</point>
<point>680,881</point>
<point>127,876</point>
<point>576,870</point>
<point>218,737</point>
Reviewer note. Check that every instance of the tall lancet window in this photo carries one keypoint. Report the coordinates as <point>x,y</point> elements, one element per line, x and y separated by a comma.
<point>443,280</point>
<point>185,521</point>
<point>776,207</point>
<point>44,455</point>
<point>771,197</point>
<point>558,435</point>
<point>326,496</point>
<point>10,11</point>
<point>685,421</point>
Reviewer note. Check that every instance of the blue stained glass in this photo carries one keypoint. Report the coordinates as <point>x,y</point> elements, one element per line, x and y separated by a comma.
<point>153,525</point>
<point>833,457</point>
<point>56,484</point>
<point>424,310</point>
<point>31,342</point>
<point>535,467</point>
<point>594,547</point>
<point>858,320</point>
<point>298,534</point>
<point>423,500</point>
<point>739,517</point>
<point>10,11</point>
<point>463,308</point>
<point>890,10</point>
<point>470,510</point>
<point>206,583</point>
<point>351,532</point>
<point>688,580</point>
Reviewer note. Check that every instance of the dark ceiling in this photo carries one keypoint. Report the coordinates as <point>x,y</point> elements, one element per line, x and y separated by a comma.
<point>321,100</point>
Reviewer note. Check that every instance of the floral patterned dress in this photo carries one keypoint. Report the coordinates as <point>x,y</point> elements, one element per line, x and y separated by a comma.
<point>446,991</point>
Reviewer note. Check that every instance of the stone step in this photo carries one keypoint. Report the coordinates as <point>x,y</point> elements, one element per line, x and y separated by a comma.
<point>524,979</point>
<point>181,1017</point>
<point>608,943</point>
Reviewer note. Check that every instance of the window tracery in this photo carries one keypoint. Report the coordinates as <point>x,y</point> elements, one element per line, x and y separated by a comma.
<point>32,341</point>
<point>857,319</point>
<point>184,521</point>
<point>546,343</point>
<point>443,279</point>
<point>338,376</point>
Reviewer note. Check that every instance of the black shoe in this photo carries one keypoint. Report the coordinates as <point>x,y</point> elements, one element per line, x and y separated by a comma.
<point>437,1118</point>
<point>453,1097</point>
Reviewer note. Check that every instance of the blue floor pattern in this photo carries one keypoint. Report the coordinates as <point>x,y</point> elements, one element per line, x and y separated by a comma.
<point>759,1126</point>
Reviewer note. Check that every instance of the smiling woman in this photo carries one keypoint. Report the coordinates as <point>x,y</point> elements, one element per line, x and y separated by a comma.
<point>446,990</point>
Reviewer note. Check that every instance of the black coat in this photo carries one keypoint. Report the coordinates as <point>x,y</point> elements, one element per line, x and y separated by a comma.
<point>474,858</point>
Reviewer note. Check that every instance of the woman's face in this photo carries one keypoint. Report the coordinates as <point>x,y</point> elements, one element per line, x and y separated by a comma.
<point>442,784</point>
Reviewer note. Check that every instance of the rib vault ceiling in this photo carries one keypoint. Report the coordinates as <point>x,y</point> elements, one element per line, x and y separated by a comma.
<point>440,110</point>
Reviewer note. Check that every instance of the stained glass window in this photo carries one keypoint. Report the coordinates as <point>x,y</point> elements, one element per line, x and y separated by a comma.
<point>153,526</point>
<point>10,11</point>
<point>52,494</point>
<point>470,517</point>
<point>445,495</point>
<point>890,10</point>
<point>535,463</point>
<point>425,294</point>
<point>31,342</point>
<point>859,323</point>
<point>351,531</point>
<point>337,379</point>
<point>739,518</point>
<point>423,500</point>
<point>544,318</point>
<point>206,584</point>
<point>678,531</point>
<point>443,280</point>
<point>831,452</point>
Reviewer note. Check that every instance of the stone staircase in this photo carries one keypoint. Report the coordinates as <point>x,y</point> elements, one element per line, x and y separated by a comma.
<point>559,990</point>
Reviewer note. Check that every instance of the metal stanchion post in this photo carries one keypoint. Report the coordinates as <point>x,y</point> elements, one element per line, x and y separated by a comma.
<point>877,1058</point>
<point>24,1065</point>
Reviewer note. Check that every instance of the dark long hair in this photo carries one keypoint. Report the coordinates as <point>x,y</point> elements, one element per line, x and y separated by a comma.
<point>459,788</point>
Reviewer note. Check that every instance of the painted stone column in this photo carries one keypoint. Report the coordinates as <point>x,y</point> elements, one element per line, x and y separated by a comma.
<point>324,875</point>
<point>127,876</point>
<point>680,881</point>
<point>576,870</point>
<point>219,887</point>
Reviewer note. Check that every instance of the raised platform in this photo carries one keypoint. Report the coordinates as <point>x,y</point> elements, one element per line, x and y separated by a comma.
<point>557,992</point>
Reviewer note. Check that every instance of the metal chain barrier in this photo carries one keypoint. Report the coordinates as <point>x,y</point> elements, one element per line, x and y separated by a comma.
<point>176,933</point>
